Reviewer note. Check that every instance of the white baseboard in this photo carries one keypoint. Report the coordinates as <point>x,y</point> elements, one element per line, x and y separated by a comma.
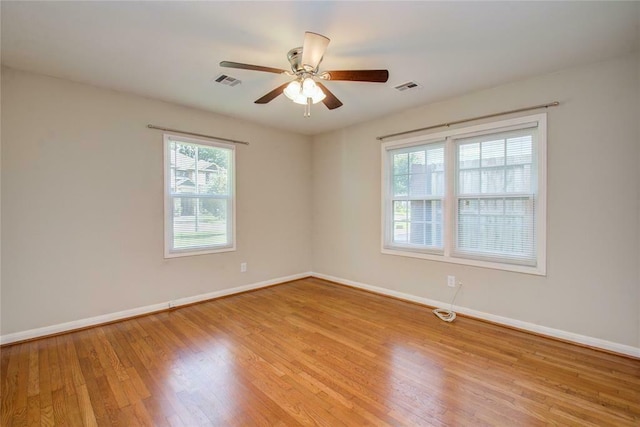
<point>519,324</point>
<point>106,318</point>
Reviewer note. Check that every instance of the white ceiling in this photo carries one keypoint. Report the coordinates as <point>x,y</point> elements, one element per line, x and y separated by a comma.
<point>171,50</point>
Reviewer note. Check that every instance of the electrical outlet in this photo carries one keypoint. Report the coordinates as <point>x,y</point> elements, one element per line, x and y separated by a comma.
<point>451,281</point>
<point>243,267</point>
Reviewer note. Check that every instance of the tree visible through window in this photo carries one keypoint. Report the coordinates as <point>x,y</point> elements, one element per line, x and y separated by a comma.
<point>199,211</point>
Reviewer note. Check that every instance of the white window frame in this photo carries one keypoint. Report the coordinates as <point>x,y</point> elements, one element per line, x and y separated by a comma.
<point>449,209</point>
<point>388,202</point>
<point>169,252</point>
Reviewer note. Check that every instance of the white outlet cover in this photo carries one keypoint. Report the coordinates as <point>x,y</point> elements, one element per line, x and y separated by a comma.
<point>451,281</point>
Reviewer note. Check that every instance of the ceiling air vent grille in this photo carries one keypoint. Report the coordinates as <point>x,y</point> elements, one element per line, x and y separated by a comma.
<point>227,80</point>
<point>407,86</point>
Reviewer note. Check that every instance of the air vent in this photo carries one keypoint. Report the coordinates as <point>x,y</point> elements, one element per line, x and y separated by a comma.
<point>407,86</point>
<point>227,80</point>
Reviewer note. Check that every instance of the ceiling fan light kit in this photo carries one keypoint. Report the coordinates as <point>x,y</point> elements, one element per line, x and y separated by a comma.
<point>305,90</point>
<point>305,93</point>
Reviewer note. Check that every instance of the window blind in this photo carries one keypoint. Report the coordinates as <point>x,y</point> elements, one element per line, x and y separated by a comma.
<point>417,183</point>
<point>496,188</point>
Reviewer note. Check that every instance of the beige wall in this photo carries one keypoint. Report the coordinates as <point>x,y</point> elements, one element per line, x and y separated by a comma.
<point>82,203</point>
<point>593,223</point>
<point>0,203</point>
<point>638,123</point>
<point>82,222</point>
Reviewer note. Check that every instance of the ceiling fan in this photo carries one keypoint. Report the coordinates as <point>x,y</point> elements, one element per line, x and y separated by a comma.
<point>305,89</point>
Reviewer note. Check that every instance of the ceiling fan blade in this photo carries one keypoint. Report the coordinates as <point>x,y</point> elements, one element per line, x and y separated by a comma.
<point>330,100</point>
<point>374,76</point>
<point>242,66</point>
<point>313,50</point>
<point>271,95</point>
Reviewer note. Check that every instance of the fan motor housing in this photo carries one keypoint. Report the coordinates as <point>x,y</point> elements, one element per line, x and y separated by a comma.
<point>295,59</point>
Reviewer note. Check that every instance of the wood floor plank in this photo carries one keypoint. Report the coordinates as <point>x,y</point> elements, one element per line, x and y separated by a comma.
<point>310,352</point>
<point>46,416</point>
<point>90,400</point>
<point>9,377</point>
<point>51,346</point>
<point>109,401</point>
<point>59,408</point>
<point>33,411</point>
<point>44,380</point>
<point>86,407</point>
<point>19,416</point>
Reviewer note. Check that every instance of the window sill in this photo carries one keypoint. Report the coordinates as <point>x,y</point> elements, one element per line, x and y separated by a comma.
<point>184,253</point>
<point>537,271</point>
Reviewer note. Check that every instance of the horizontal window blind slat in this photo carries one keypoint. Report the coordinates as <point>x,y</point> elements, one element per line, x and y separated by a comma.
<point>515,130</point>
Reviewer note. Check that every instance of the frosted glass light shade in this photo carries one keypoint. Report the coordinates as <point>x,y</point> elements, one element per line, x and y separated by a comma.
<point>299,93</point>
<point>292,90</point>
<point>308,87</point>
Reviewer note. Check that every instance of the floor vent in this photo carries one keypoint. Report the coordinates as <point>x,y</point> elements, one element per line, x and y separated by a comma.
<point>406,86</point>
<point>227,80</point>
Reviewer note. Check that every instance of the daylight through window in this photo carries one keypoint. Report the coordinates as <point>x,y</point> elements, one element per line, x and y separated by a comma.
<point>474,195</point>
<point>199,196</point>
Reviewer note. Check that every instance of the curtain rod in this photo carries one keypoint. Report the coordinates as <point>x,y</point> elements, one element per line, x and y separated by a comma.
<point>198,134</point>
<point>519,110</point>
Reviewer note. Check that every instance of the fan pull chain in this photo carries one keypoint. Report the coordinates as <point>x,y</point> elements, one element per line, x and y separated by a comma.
<point>307,108</point>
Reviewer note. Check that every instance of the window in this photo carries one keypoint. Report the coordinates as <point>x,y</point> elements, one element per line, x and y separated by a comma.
<point>199,196</point>
<point>417,193</point>
<point>473,195</point>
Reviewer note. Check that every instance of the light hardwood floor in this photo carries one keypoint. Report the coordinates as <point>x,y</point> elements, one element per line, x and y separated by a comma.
<point>311,352</point>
